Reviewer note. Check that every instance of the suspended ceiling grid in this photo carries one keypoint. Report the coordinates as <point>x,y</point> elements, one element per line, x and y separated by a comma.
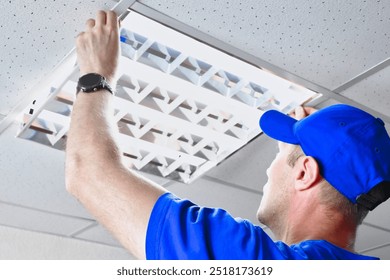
<point>327,44</point>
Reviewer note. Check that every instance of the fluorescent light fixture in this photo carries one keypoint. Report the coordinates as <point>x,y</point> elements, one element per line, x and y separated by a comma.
<point>181,106</point>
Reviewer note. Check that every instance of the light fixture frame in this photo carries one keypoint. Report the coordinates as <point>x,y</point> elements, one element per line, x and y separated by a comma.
<point>182,106</point>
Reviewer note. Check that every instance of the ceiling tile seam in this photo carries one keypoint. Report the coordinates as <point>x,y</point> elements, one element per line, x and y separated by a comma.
<point>60,235</point>
<point>231,185</point>
<point>47,212</point>
<point>83,229</point>
<point>98,242</point>
<point>365,251</point>
<point>31,230</point>
<point>244,56</point>
<point>371,71</point>
<point>168,184</point>
<point>376,227</point>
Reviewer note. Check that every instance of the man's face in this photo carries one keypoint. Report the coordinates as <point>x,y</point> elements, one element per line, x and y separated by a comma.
<point>274,204</point>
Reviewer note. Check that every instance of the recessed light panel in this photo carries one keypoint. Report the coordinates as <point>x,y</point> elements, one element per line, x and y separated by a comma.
<point>181,106</point>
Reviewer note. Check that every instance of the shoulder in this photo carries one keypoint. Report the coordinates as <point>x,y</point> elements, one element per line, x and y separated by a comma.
<point>324,250</point>
<point>180,229</point>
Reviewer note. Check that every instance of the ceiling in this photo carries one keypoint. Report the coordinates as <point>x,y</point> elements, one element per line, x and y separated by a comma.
<point>340,48</point>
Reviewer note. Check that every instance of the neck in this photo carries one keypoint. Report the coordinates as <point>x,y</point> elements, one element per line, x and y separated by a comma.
<point>316,223</point>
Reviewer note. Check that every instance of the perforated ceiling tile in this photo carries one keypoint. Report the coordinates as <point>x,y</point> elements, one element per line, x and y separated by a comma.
<point>373,91</point>
<point>182,106</point>
<point>35,37</point>
<point>327,42</point>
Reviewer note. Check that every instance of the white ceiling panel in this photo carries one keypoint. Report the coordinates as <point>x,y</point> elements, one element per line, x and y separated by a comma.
<point>380,216</point>
<point>247,167</point>
<point>326,42</point>
<point>36,36</point>
<point>369,237</point>
<point>373,92</point>
<point>24,218</point>
<point>382,252</point>
<point>238,202</point>
<point>33,175</point>
<point>18,244</point>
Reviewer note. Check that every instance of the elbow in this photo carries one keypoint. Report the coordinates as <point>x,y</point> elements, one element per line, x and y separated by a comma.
<point>83,172</point>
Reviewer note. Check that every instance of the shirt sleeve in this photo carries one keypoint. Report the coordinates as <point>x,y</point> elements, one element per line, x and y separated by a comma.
<point>179,229</point>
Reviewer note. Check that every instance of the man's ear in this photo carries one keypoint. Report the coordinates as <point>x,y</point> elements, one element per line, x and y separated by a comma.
<point>307,173</point>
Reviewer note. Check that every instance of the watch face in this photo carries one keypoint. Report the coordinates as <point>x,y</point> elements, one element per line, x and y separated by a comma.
<point>90,80</point>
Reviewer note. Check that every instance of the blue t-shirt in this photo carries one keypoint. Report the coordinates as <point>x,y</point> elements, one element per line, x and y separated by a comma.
<point>179,229</point>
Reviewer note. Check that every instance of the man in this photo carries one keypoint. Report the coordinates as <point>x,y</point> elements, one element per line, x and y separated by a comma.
<point>340,148</point>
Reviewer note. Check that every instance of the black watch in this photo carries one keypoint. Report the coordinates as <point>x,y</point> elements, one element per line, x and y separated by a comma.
<point>92,82</point>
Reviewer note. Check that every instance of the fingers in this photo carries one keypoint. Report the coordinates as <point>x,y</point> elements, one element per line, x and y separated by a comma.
<point>299,113</point>
<point>309,110</point>
<point>100,18</point>
<point>112,19</point>
<point>90,23</point>
<point>302,112</point>
<point>108,18</point>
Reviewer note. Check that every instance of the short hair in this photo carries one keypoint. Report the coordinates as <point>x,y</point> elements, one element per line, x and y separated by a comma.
<point>330,196</point>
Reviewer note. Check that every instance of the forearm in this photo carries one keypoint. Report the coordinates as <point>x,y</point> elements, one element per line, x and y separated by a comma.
<point>97,177</point>
<point>91,146</point>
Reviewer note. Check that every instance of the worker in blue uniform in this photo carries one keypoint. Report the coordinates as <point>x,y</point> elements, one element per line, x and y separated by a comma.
<point>332,168</point>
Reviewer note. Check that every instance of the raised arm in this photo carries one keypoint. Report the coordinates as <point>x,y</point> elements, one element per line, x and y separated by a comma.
<point>95,173</point>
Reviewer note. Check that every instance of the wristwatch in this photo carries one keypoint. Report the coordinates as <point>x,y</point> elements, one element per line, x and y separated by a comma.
<point>92,82</point>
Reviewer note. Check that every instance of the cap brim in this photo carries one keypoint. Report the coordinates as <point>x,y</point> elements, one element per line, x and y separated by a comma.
<point>278,126</point>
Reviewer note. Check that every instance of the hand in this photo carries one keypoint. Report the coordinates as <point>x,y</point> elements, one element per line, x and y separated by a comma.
<point>302,112</point>
<point>98,47</point>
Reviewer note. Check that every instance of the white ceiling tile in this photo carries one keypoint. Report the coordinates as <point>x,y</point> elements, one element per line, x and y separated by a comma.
<point>24,218</point>
<point>36,35</point>
<point>382,253</point>
<point>373,91</point>
<point>327,42</point>
<point>247,167</point>
<point>380,216</point>
<point>33,175</point>
<point>238,203</point>
<point>17,244</point>
<point>369,237</point>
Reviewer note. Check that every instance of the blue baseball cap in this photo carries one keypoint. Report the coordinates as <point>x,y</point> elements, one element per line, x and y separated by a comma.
<point>351,147</point>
